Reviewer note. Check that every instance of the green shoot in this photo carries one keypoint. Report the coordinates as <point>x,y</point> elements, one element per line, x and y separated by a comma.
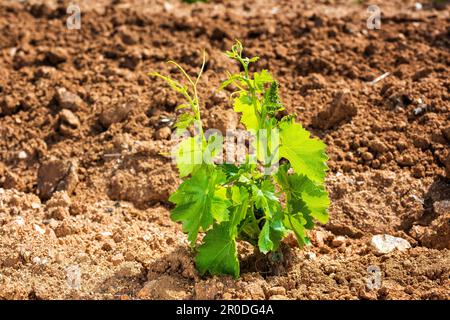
<point>242,201</point>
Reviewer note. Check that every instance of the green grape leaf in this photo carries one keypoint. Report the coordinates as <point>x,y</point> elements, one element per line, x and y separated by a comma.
<point>199,202</point>
<point>188,154</point>
<point>217,254</point>
<point>265,244</point>
<point>273,229</point>
<point>261,78</point>
<point>265,198</point>
<point>305,201</point>
<point>305,195</point>
<point>297,224</point>
<point>240,199</point>
<point>306,155</point>
<point>243,104</point>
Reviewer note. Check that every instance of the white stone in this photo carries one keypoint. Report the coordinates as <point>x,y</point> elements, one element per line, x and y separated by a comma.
<point>106,234</point>
<point>35,205</point>
<point>20,221</point>
<point>37,260</point>
<point>38,229</point>
<point>22,155</point>
<point>311,256</point>
<point>168,7</point>
<point>384,243</point>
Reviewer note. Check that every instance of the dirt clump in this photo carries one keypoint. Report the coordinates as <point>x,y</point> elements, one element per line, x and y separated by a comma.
<point>341,109</point>
<point>68,100</point>
<point>111,115</point>
<point>56,175</point>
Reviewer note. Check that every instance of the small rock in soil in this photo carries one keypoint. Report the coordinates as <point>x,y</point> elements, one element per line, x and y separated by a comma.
<point>56,175</point>
<point>68,122</point>
<point>342,109</point>
<point>378,146</point>
<point>256,291</point>
<point>108,245</point>
<point>8,105</point>
<point>68,100</point>
<point>66,228</point>
<point>338,241</point>
<point>311,255</point>
<point>163,133</point>
<point>56,56</point>
<point>277,291</point>
<point>422,74</point>
<point>115,114</point>
<point>384,243</point>
<point>59,199</point>
<point>405,161</point>
<point>130,60</point>
<point>117,259</point>
<point>367,156</point>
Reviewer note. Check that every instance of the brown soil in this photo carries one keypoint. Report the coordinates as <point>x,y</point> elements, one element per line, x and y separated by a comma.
<point>84,182</point>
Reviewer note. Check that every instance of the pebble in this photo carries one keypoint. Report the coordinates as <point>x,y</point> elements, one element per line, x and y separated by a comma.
<point>311,256</point>
<point>68,121</point>
<point>277,291</point>
<point>35,205</point>
<point>39,261</point>
<point>115,114</point>
<point>338,241</point>
<point>39,229</point>
<point>56,175</point>
<point>68,100</point>
<point>321,236</point>
<point>378,146</point>
<point>19,221</point>
<point>59,257</point>
<point>367,156</point>
<point>22,155</point>
<point>163,133</point>
<point>117,259</point>
<point>83,258</point>
<point>56,56</point>
<point>108,245</point>
<point>384,243</point>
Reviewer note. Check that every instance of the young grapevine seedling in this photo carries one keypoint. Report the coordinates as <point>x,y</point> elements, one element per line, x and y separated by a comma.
<point>233,202</point>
